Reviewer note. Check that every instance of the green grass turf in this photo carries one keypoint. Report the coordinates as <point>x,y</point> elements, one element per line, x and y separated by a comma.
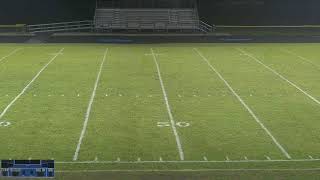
<point>47,119</point>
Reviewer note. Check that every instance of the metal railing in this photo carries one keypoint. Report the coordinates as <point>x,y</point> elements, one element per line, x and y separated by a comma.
<point>204,27</point>
<point>195,25</point>
<point>62,26</point>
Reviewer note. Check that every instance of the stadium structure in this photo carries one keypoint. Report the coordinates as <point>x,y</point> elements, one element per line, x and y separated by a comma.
<point>159,89</point>
<point>123,15</point>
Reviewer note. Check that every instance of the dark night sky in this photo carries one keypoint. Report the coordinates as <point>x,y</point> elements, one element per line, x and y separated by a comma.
<point>227,12</point>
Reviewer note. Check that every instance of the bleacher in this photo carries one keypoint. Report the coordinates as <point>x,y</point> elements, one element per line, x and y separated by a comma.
<point>148,19</point>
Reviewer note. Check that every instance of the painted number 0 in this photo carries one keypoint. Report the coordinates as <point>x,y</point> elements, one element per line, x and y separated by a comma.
<point>167,124</point>
<point>4,124</point>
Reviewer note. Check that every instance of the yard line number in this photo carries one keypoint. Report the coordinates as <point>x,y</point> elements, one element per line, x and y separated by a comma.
<point>179,124</point>
<point>4,123</point>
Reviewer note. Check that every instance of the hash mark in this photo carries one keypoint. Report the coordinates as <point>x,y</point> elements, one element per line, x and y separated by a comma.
<point>227,158</point>
<point>268,158</point>
<point>205,158</point>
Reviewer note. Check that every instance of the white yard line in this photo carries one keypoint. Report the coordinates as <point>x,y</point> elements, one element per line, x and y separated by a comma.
<point>172,121</point>
<point>188,162</point>
<point>87,115</point>
<point>29,84</point>
<point>245,105</point>
<point>301,58</point>
<point>279,75</point>
<point>10,54</point>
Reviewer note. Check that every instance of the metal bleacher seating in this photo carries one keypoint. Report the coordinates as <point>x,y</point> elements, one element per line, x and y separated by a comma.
<point>148,19</point>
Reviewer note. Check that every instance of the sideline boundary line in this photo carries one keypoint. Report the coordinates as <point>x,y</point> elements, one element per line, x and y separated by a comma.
<point>10,54</point>
<point>29,84</point>
<point>185,170</point>
<point>173,124</point>
<point>279,75</point>
<point>87,115</point>
<point>275,141</point>
<point>187,162</point>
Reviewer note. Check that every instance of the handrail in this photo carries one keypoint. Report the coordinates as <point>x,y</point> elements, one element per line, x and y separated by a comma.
<point>62,26</point>
<point>58,27</point>
<point>70,22</point>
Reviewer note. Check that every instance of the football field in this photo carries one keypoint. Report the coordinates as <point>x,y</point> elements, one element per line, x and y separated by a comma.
<point>161,106</point>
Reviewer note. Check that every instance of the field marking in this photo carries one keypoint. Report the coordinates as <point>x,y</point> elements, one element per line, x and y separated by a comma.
<point>187,162</point>
<point>87,115</point>
<point>244,105</point>
<point>227,158</point>
<point>279,75</point>
<point>10,54</point>
<point>301,57</point>
<point>184,170</point>
<point>172,121</point>
<point>268,158</point>
<point>29,84</point>
<point>4,124</point>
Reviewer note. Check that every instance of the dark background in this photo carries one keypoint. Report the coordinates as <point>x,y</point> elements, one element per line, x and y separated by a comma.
<point>220,12</point>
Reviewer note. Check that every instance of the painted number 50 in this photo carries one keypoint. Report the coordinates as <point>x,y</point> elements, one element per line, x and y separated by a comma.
<point>167,124</point>
<point>4,123</point>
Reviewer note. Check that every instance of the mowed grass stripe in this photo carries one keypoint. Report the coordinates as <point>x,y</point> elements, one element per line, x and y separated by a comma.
<point>29,84</point>
<point>88,112</point>
<point>290,116</point>
<point>308,51</point>
<point>17,71</point>
<point>280,76</point>
<point>302,73</point>
<point>219,128</point>
<point>49,115</point>
<point>165,96</point>
<point>128,107</point>
<point>276,142</point>
<point>302,58</point>
<point>10,54</point>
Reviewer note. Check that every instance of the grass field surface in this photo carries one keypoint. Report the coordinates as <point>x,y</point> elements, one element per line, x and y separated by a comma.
<point>161,106</point>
